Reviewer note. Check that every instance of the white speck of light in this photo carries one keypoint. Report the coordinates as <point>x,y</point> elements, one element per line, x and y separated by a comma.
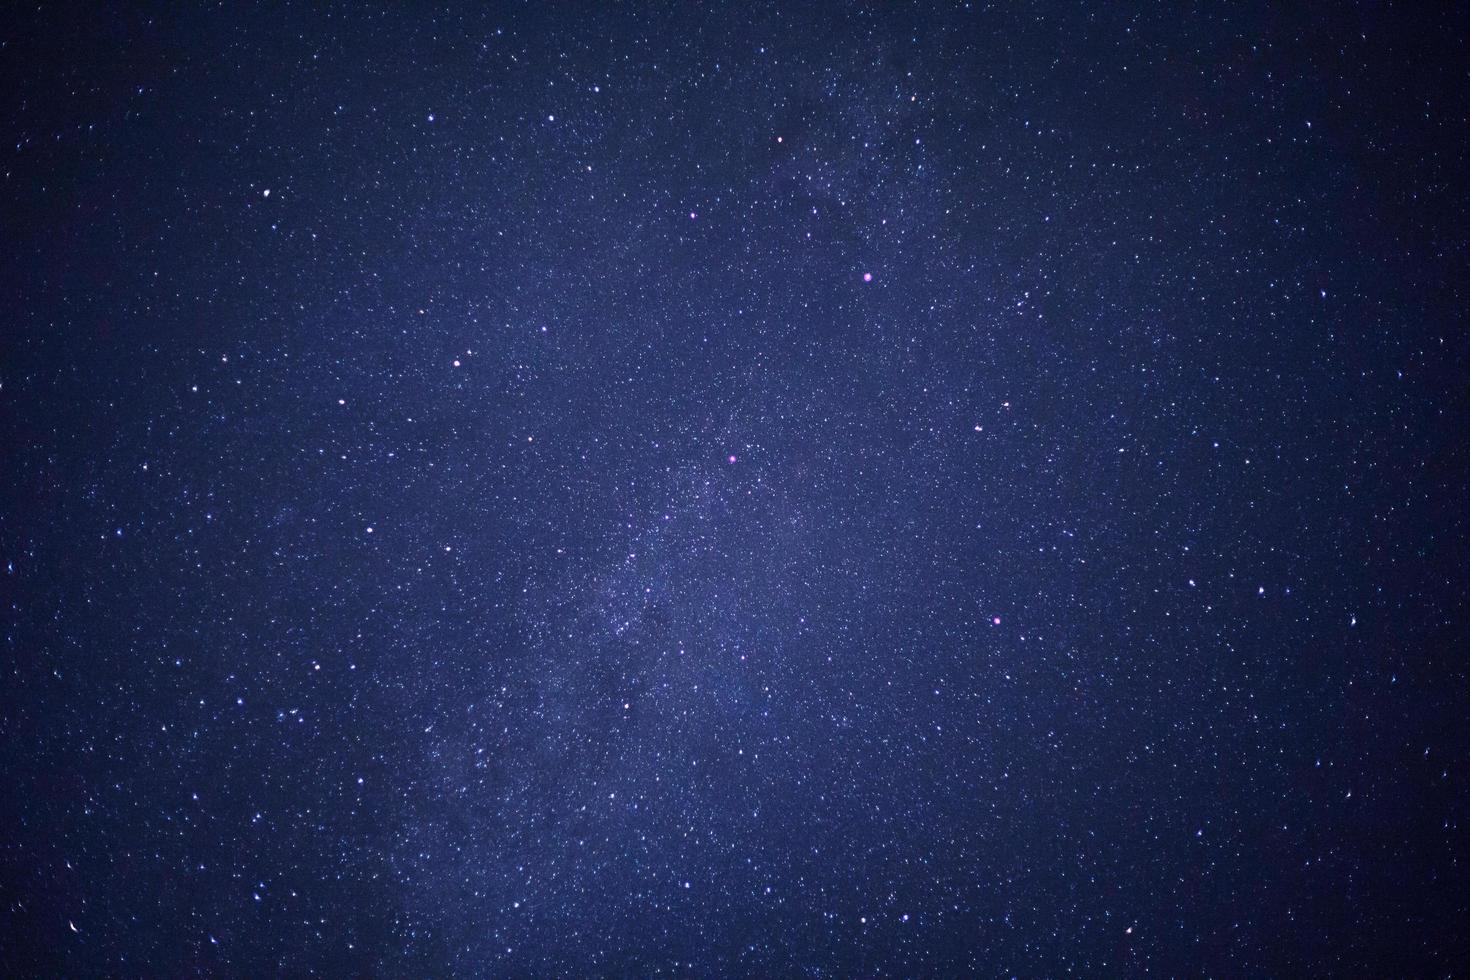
<point>266,192</point>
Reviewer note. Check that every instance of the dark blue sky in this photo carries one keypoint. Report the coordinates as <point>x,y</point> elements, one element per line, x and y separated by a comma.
<point>734,490</point>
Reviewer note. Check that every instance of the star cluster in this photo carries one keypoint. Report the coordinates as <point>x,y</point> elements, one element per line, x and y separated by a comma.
<point>729,490</point>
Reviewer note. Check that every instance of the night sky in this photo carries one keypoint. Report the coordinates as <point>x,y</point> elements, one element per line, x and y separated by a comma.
<point>750,490</point>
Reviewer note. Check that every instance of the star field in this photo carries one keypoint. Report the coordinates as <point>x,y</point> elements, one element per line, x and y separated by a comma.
<point>725,490</point>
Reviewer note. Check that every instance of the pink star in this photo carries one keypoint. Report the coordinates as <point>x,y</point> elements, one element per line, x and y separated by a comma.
<point>732,457</point>
<point>994,620</point>
<point>867,277</point>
